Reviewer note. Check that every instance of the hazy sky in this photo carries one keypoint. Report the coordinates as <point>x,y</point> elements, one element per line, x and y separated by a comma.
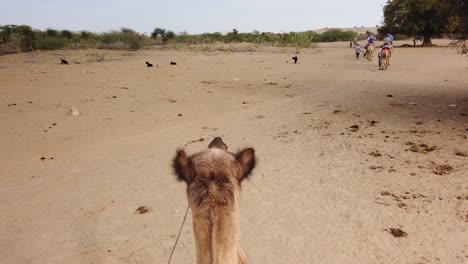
<point>195,16</point>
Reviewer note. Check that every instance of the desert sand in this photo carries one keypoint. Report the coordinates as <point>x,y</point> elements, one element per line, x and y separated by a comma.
<point>346,153</point>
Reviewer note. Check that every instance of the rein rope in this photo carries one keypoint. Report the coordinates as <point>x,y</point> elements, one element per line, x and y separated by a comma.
<point>178,236</point>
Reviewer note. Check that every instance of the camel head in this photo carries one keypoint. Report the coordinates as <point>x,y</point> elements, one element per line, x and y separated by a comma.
<point>214,175</point>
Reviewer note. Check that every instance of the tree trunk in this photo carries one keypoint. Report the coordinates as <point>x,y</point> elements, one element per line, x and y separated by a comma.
<point>427,42</point>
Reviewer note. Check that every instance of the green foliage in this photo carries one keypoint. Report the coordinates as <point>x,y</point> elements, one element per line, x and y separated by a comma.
<point>16,39</point>
<point>51,43</point>
<point>158,32</point>
<point>123,39</point>
<point>462,43</point>
<point>232,37</point>
<point>67,34</point>
<point>298,39</point>
<point>426,18</point>
<point>301,39</point>
<point>86,35</point>
<point>167,37</point>
<point>164,35</point>
<point>52,32</point>
<point>24,38</point>
<point>337,35</point>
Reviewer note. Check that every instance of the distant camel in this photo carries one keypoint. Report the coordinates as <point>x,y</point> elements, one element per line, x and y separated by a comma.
<point>63,62</point>
<point>148,64</point>
<point>213,178</point>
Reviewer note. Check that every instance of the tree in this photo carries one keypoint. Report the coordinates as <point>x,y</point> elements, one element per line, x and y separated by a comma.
<point>67,34</point>
<point>52,32</point>
<point>167,36</point>
<point>158,32</point>
<point>22,36</point>
<point>233,36</point>
<point>129,31</point>
<point>86,34</point>
<point>426,18</point>
<point>462,43</point>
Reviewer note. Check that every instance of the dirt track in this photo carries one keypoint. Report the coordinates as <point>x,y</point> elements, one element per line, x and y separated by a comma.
<point>323,192</point>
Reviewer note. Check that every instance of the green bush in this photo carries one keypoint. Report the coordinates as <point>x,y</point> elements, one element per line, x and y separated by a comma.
<point>50,43</point>
<point>24,38</point>
<point>21,37</point>
<point>52,32</point>
<point>333,35</point>
<point>302,39</point>
<point>67,34</point>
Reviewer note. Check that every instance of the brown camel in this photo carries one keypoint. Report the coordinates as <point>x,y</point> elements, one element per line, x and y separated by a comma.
<point>370,53</point>
<point>385,57</point>
<point>213,178</point>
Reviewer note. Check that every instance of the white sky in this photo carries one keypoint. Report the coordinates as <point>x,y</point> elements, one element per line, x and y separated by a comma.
<point>195,16</point>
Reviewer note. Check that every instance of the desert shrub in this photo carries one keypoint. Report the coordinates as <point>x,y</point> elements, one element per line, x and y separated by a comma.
<point>24,38</point>
<point>21,37</point>
<point>50,43</point>
<point>16,40</point>
<point>86,35</point>
<point>67,34</point>
<point>461,46</point>
<point>233,36</point>
<point>120,45</point>
<point>337,35</point>
<point>302,39</point>
<point>124,39</point>
<point>96,57</point>
<point>52,32</point>
<point>8,48</point>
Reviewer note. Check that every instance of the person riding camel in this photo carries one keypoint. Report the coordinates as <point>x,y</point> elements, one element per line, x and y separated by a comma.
<point>387,47</point>
<point>390,37</point>
<point>388,43</point>
<point>370,41</point>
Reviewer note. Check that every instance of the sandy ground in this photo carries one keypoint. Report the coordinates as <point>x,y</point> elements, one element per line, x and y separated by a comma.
<point>323,192</point>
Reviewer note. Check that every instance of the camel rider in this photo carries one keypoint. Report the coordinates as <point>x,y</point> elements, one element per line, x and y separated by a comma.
<point>388,43</point>
<point>390,36</point>
<point>370,41</point>
<point>387,47</point>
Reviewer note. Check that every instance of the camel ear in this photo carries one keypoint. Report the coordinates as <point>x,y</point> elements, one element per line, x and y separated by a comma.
<point>182,166</point>
<point>246,160</point>
<point>218,143</point>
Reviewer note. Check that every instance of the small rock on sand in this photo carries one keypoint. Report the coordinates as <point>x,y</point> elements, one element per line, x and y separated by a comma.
<point>74,111</point>
<point>443,169</point>
<point>354,128</point>
<point>142,210</point>
<point>397,232</point>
